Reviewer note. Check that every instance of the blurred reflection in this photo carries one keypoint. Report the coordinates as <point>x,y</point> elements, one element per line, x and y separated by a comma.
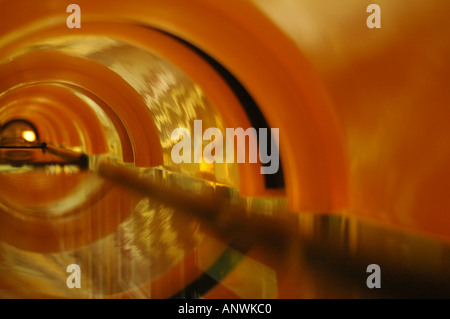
<point>387,90</point>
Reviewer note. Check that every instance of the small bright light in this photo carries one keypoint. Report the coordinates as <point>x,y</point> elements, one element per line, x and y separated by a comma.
<point>29,136</point>
<point>206,167</point>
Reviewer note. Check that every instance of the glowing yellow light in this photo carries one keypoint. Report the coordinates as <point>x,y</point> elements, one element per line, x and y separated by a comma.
<point>29,136</point>
<point>206,167</point>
